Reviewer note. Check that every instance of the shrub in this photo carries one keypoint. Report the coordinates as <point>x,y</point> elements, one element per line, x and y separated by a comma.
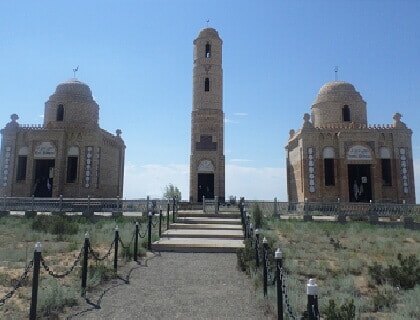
<point>244,257</point>
<point>346,311</point>
<point>58,225</point>
<point>257,216</point>
<point>53,296</point>
<point>383,300</point>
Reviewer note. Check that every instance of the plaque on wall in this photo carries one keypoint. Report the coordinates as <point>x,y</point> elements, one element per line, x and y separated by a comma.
<point>45,150</point>
<point>206,144</point>
<point>205,166</point>
<point>359,153</point>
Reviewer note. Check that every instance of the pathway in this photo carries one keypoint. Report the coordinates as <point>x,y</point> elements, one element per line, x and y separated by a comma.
<point>182,286</point>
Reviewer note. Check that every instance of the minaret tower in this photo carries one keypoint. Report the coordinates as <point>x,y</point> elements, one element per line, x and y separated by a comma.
<point>207,162</point>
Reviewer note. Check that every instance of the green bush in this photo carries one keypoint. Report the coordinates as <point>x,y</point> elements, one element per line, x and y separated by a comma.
<point>346,311</point>
<point>257,216</point>
<point>245,256</point>
<point>99,273</point>
<point>385,299</point>
<point>53,297</point>
<point>58,225</point>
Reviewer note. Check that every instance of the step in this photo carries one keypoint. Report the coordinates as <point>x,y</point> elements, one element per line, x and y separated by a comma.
<point>198,245</point>
<point>227,215</point>
<point>203,233</point>
<point>208,220</point>
<point>205,226</point>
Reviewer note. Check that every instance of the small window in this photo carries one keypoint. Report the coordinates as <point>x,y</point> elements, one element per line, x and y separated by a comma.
<point>329,172</point>
<point>346,113</point>
<point>72,169</point>
<point>207,85</point>
<point>21,168</point>
<point>386,172</point>
<point>60,112</point>
<point>208,50</point>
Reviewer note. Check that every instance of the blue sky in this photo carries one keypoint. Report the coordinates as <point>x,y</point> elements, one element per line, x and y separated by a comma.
<point>136,56</point>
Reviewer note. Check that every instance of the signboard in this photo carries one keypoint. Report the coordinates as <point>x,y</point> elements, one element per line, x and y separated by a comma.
<point>359,153</point>
<point>45,150</point>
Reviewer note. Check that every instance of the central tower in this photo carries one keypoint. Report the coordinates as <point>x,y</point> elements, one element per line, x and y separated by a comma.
<point>207,161</point>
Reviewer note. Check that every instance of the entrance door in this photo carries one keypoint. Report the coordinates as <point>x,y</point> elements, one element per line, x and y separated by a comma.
<point>205,186</point>
<point>44,170</point>
<point>360,186</point>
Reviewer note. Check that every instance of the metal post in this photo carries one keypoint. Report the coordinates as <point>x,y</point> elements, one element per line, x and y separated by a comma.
<point>118,203</point>
<point>160,223</point>
<point>32,204</point>
<point>116,249</point>
<point>312,292</point>
<point>216,204</point>
<point>136,241</point>
<point>167,216</point>
<point>88,204</point>
<point>257,244</point>
<point>265,248</point>
<point>147,204</point>
<point>85,264</point>
<point>4,202</point>
<point>173,210</point>
<point>204,204</point>
<point>251,228</point>
<point>35,280</point>
<point>279,265</point>
<point>247,220</point>
<point>276,209</point>
<point>149,233</point>
<point>61,203</point>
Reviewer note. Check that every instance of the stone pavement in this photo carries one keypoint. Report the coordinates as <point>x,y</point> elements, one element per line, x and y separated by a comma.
<point>182,286</point>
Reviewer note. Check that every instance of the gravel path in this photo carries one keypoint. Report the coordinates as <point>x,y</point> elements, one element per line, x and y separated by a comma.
<point>182,286</point>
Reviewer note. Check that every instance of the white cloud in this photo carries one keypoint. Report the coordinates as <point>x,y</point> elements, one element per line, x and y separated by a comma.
<point>240,160</point>
<point>230,121</point>
<point>41,116</point>
<point>241,181</point>
<point>241,114</point>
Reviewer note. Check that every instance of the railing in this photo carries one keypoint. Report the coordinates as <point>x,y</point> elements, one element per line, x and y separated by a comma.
<point>86,253</point>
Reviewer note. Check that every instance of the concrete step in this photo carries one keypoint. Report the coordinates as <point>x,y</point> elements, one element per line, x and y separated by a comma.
<point>203,233</point>
<point>206,226</point>
<point>198,245</point>
<point>223,215</point>
<point>204,220</point>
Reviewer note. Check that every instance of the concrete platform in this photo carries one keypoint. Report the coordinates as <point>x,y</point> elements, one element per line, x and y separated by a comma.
<point>208,220</point>
<point>203,233</point>
<point>223,215</point>
<point>206,226</point>
<point>198,245</point>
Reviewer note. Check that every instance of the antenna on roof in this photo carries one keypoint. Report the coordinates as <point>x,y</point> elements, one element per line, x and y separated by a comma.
<point>74,71</point>
<point>336,73</point>
<point>207,22</point>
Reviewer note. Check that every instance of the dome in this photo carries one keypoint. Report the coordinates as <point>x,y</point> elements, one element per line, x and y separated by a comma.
<point>337,91</point>
<point>73,87</point>
<point>208,33</point>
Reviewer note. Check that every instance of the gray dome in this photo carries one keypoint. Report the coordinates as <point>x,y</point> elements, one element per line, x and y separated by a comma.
<point>73,87</point>
<point>337,91</point>
<point>208,33</point>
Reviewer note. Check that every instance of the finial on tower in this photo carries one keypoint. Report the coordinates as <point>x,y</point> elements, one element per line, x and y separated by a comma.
<point>74,71</point>
<point>207,21</point>
<point>336,73</point>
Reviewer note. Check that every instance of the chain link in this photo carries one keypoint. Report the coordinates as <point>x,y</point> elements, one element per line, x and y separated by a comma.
<point>286,297</point>
<point>96,255</point>
<point>145,232</point>
<point>57,275</point>
<point>131,241</point>
<point>18,284</point>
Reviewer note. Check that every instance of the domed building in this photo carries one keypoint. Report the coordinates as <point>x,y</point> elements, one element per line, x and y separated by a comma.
<point>68,155</point>
<point>337,155</point>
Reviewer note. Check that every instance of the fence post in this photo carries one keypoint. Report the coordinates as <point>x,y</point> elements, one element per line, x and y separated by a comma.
<point>265,247</point>
<point>251,228</point>
<point>312,292</point>
<point>216,204</point>
<point>116,249</point>
<point>149,232</point>
<point>147,204</point>
<point>35,280</point>
<point>204,204</point>
<point>276,209</point>
<point>167,215</point>
<point>85,264</point>
<point>173,210</point>
<point>257,244</point>
<point>32,204</point>
<point>4,202</point>
<point>136,241</point>
<point>247,222</point>
<point>160,223</point>
<point>61,203</point>
<point>88,205</point>
<point>279,264</point>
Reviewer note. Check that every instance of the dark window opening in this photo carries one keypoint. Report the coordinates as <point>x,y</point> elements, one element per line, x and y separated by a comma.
<point>72,169</point>
<point>208,50</point>
<point>386,172</point>
<point>60,112</point>
<point>329,172</point>
<point>346,113</point>
<point>207,85</point>
<point>21,168</point>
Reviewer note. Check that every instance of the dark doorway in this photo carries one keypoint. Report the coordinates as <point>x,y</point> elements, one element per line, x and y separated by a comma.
<point>44,170</point>
<point>205,186</point>
<point>360,186</point>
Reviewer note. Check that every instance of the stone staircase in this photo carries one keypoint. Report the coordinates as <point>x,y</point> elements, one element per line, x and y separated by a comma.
<point>197,231</point>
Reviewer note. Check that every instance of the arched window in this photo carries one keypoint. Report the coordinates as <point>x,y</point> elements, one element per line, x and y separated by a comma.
<point>60,113</point>
<point>346,113</point>
<point>329,175</point>
<point>207,84</point>
<point>208,50</point>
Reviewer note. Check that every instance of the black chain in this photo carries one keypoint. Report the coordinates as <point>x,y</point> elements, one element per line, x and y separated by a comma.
<point>57,275</point>
<point>96,255</point>
<point>18,284</point>
<point>286,297</point>
<point>145,232</point>
<point>131,241</point>
<point>270,275</point>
